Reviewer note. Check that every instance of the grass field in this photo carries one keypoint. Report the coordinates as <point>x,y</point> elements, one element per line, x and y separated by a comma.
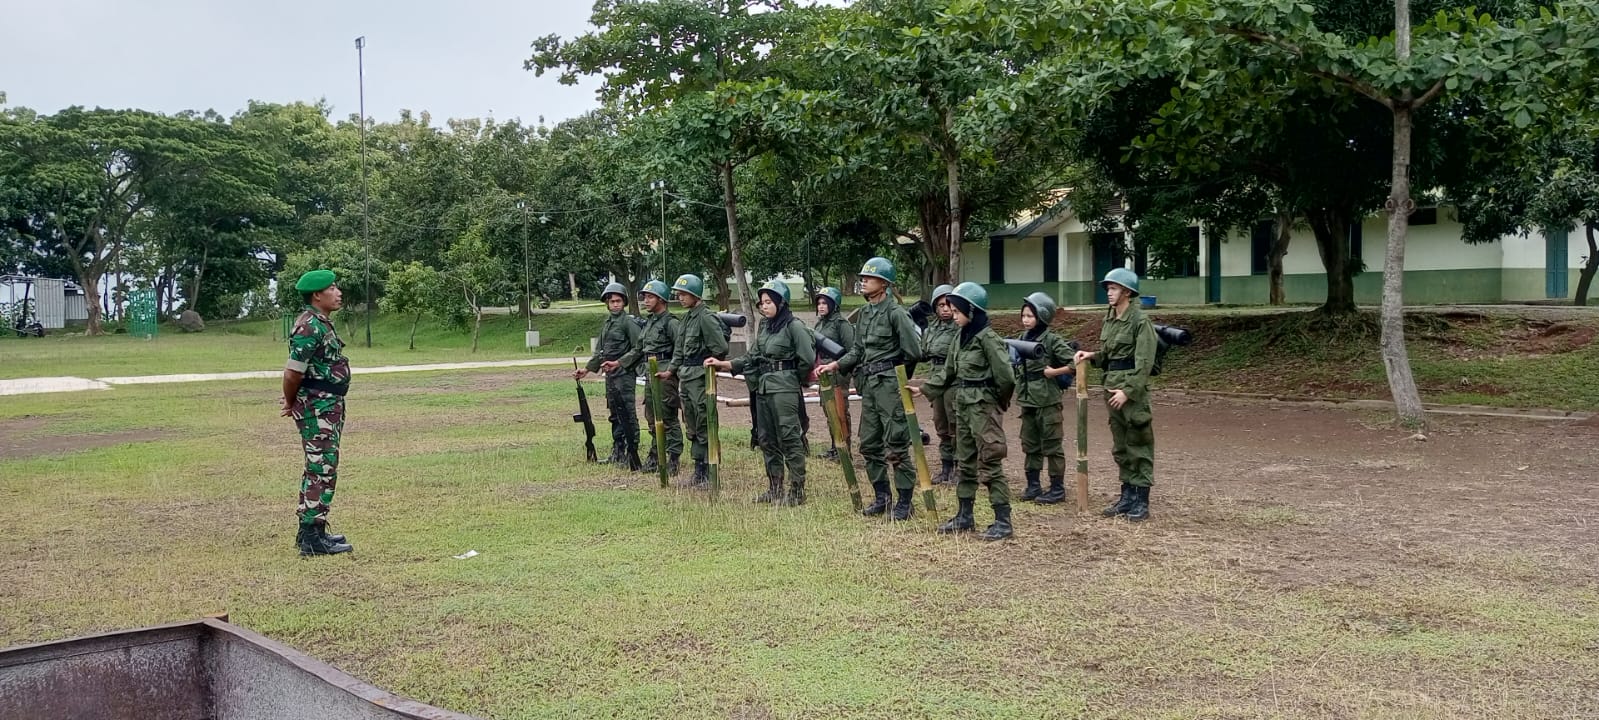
<point>1254,593</point>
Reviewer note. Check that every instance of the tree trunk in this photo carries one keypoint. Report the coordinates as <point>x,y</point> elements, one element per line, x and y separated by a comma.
<point>952,177</point>
<point>1407,401</point>
<point>1279,248</point>
<point>91,299</point>
<point>932,213</point>
<point>571,280</point>
<point>1331,228</point>
<point>414,320</point>
<point>730,203</point>
<point>724,294</point>
<point>199,272</point>
<point>477,325</point>
<point>1585,278</point>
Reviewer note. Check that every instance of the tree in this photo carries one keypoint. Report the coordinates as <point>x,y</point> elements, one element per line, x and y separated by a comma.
<point>476,273</point>
<point>415,289</point>
<point>696,66</point>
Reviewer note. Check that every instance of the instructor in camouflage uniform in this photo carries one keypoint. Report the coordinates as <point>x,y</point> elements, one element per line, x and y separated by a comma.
<point>830,323</point>
<point>978,373</point>
<point>884,337</point>
<point>937,342</point>
<point>658,341</point>
<point>1127,354</point>
<point>700,336</point>
<point>617,355</point>
<point>315,380</point>
<point>1038,391</point>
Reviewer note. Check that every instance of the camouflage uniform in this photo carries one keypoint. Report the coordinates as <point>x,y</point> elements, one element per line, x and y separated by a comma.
<point>1127,354</point>
<point>658,341</point>
<point>784,360</point>
<point>1042,416</point>
<point>619,341</point>
<point>700,336</point>
<point>834,327</point>
<point>316,352</point>
<point>884,337</point>
<point>937,342</point>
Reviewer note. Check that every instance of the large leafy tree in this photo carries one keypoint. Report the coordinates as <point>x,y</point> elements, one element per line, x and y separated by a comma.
<point>698,67</point>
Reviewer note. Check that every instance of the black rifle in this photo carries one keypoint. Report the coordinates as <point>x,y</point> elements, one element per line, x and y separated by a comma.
<point>584,416</point>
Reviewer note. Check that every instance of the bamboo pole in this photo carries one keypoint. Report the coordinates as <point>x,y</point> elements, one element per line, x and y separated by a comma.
<point>924,476</point>
<point>1082,436</point>
<point>831,404</point>
<point>713,437</point>
<point>657,405</point>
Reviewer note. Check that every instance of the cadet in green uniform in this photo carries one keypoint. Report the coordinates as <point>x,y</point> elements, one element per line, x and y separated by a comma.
<point>1127,354</point>
<point>784,353</point>
<point>978,374</point>
<point>884,337</point>
<point>617,356</point>
<point>315,380</point>
<point>937,341</point>
<point>830,323</point>
<point>700,336</point>
<point>1039,393</point>
<point>659,340</point>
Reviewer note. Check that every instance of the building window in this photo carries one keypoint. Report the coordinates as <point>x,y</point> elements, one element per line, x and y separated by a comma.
<point>1260,239</point>
<point>1424,216</point>
<point>1189,265</point>
<point>1355,241</point>
<point>996,260</point>
<point>1052,258</point>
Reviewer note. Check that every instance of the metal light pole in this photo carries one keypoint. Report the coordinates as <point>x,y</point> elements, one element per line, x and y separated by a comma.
<point>527,273</point>
<point>366,209</point>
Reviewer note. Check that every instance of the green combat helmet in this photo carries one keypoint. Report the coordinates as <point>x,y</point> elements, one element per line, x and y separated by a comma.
<point>880,268</point>
<point>780,289</point>
<point>691,284</point>
<point>658,289</point>
<point>1043,306</point>
<point>615,288</point>
<point>941,291</point>
<point>833,296</point>
<point>1123,277</point>
<point>973,293</point>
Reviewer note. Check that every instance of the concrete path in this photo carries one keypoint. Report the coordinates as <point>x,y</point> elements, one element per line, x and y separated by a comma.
<point>28,386</point>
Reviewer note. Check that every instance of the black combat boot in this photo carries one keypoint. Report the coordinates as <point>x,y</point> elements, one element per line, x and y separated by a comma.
<point>946,473</point>
<point>323,528</point>
<point>962,522</point>
<point>903,508</point>
<point>879,500</point>
<point>1056,492</point>
<point>618,454</point>
<point>1001,528</point>
<point>796,495</point>
<point>671,466</point>
<point>774,490</point>
<point>633,463</point>
<point>1033,490</point>
<point>1139,512</point>
<point>702,474</point>
<point>651,462</point>
<point>1122,504</point>
<point>313,542</point>
<point>831,454</point>
<point>320,528</point>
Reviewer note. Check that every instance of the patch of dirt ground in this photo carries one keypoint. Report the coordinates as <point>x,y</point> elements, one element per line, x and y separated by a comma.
<point>25,437</point>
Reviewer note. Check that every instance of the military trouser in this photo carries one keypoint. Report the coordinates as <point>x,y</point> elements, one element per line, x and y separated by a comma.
<point>1132,429</point>
<point>1042,437</point>
<point>781,444</point>
<point>944,425</point>
<point>692,394</point>
<point>619,394</point>
<point>885,437</point>
<point>320,418</point>
<point>672,404</point>
<point>980,452</point>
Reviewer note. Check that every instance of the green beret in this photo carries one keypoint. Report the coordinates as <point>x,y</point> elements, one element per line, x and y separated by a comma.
<point>315,280</point>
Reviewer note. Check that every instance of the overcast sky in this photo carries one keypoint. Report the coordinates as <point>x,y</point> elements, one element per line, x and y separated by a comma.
<point>453,59</point>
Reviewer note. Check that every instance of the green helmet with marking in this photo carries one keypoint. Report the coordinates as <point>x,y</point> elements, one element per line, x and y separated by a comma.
<point>880,268</point>
<point>1123,277</point>
<point>1043,306</point>
<point>973,293</point>
<point>941,291</point>
<point>691,284</point>
<point>833,296</point>
<point>658,289</point>
<point>615,288</point>
<point>777,288</point>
